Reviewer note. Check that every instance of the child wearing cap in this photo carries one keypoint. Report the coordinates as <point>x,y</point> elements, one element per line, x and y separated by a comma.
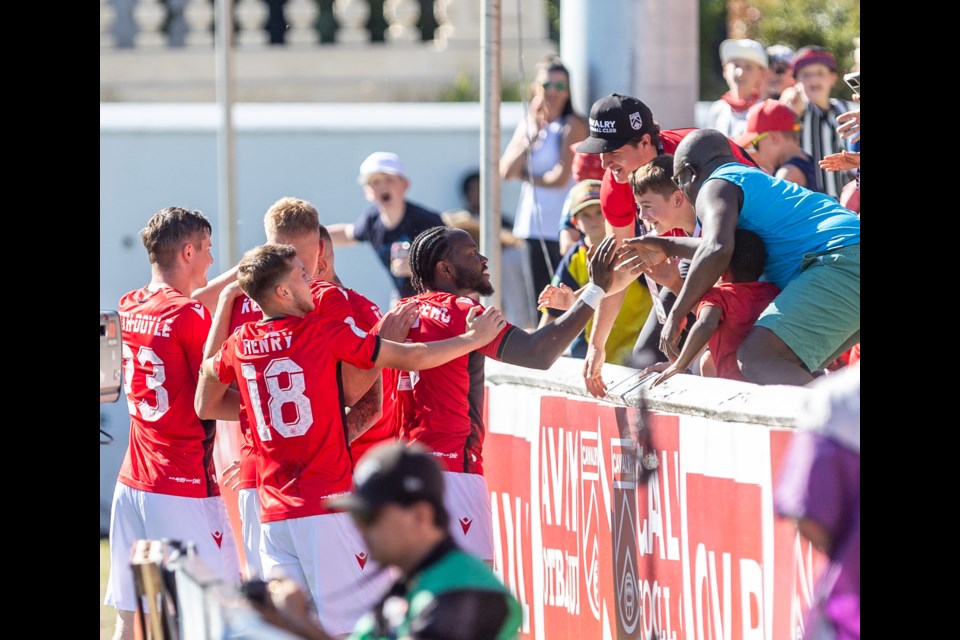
<point>773,136</point>
<point>392,221</point>
<point>744,70</point>
<point>572,274</point>
<point>815,72</point>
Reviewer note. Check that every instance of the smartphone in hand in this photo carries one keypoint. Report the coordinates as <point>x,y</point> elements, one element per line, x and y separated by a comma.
<point>853,81</point>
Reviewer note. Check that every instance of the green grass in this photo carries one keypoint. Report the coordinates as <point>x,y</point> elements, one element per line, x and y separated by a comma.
<point>108,615</point>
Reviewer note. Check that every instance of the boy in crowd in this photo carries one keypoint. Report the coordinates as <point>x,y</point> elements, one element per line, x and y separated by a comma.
<point>572,275</point>
<point>815,70</point>
<point>392,222</point>
<point>664,211</point>
<point>744,70</point>
<point>726,313</point>
<point>773,133</point>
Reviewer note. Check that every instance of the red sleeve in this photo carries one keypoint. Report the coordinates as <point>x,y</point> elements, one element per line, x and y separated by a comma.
<point>712,298</point>
<point>365,312</point>
<point>671,138</point>
<point>348,342</point>
<point>616,202</point>
<point>223,366</point>
<point>193,325</point>
<point>492,348</point>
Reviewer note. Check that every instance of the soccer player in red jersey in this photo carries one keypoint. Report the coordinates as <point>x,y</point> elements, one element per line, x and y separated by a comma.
<point>167,485</point>
<point>442,407</point>
<point>296,222</point>
<point>286,366</point>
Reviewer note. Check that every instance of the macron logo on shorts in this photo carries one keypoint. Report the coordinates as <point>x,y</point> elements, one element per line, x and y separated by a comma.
<point>218,538</point>
<point>361,559</point>
<point>465,524</point>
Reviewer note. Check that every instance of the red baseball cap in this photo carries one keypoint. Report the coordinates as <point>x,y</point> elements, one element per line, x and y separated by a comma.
<point>586,166</point>
<point>769,115</point>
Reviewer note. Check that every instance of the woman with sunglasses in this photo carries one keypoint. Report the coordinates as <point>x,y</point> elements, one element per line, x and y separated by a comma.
<point>539,154</point>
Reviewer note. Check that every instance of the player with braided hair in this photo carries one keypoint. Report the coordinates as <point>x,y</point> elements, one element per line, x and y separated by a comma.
<point>441,408</point>
<point>426,250</point>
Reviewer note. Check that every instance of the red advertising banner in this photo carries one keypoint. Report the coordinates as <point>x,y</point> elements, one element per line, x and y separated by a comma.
<point>609,524</point>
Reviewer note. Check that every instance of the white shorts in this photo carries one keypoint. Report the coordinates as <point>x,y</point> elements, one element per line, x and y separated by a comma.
<point>248,505</point>
<point>138,515</point>
<point>467,499</point>
<point>327,556</point>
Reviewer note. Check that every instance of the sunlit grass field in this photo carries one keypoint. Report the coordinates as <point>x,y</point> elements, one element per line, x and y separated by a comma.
<point>108,615</point>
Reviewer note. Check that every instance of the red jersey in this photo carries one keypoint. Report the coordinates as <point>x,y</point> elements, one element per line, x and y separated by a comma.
<point>741,304</point>
<point>171,449</point>
<point>616,198</point>
<point>289,378</point>
<point>442,408</point>
<point>245,310</point>
<point>368,315</point>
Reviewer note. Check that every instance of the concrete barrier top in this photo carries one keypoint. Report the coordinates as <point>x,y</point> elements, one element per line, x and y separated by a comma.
<point>715,398</point>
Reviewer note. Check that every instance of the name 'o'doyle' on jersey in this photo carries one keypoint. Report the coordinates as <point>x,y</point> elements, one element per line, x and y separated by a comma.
<point>149,325</point>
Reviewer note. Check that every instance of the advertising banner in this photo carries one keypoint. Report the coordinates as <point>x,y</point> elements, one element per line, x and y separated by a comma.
<point>612,523</point>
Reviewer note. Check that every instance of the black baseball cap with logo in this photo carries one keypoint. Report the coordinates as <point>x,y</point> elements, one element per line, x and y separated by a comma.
<point>394,473</point>
<point>615,121</point>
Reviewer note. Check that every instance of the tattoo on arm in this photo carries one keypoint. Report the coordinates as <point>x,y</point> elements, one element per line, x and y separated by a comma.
<point>366,411</point>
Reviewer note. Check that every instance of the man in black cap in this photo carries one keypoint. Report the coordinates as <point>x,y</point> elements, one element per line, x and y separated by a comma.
<point>442,592</point>
<point>626,135</point>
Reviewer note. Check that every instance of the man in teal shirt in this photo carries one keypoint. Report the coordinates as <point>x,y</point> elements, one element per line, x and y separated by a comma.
<point>813,256</point>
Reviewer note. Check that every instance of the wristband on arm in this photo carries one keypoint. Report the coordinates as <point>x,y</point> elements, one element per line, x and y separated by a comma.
<point>592,295</point>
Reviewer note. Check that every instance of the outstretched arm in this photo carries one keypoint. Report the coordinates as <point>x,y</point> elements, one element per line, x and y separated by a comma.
<point>560,298</point>
<point>604,317</point>
<point>220,327</point>
<point>209,294</point>
<point>849,128</point>
<point>365,412</point>
<point>707,322</point>
<point>540,349</point>
<point>481,329</point>
<point>841,161</point>
<point>394,326</point>
<point>341,233</point>
<point>213,399</point>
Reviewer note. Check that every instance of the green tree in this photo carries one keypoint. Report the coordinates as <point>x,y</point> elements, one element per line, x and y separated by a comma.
<point>829,23</point>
